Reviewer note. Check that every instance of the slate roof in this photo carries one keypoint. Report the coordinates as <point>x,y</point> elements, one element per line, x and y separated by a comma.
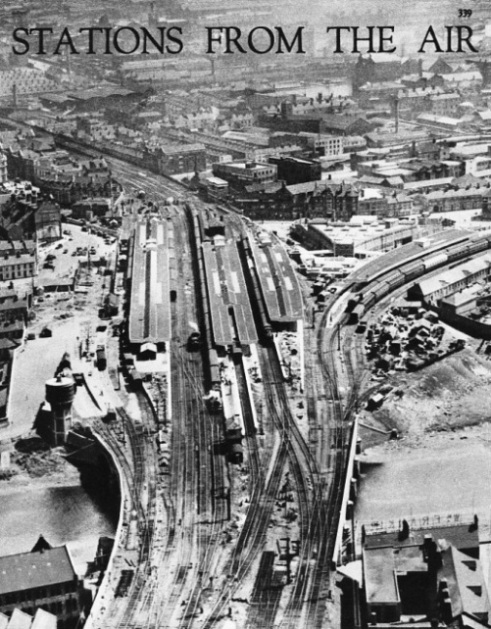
<point>32,570</point>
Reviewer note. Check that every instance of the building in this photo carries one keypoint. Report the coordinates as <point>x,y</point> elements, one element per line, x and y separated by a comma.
<point>87,209</point>
<point>277,201</point>
<point>173,159</point>
<point>213,187</point>
<point>376,68</point>
<point>461,303</point>
<point>434,289</point>
<point>486,206</point>
<point>323,144</point>
<point>433,577</point>
<point>445,104</point>
<point>455,200</point>
<point>385,204</point>
<point>13,307</point>
<point>316,122</point>
<point>58,174</point>
<point>294,170</point>
<point>149,326</point>
<point>240,174</point>
<point>18,259</point>
<point>344,124</point>
<point>24,80</point>
<point>20,620</point>
<point>47,221</point>
<point>14,331</point>
<point>357,237</point>
<point>3,168</point>
<point>434,121</point>
<point>42,578</point>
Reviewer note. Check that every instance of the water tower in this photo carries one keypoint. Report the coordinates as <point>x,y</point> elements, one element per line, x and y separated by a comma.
<point>59,394</point>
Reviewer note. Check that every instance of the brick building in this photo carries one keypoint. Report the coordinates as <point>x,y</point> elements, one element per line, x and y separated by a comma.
<point>304,200</point>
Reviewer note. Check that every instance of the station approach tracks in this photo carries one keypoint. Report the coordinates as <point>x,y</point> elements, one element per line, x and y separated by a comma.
<point>319,494</point>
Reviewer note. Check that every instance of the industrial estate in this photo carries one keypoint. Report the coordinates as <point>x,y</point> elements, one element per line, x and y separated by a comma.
<point>245,321</point>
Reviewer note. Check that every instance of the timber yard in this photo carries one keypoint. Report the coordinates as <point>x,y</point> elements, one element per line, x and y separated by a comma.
<point>245,324</point>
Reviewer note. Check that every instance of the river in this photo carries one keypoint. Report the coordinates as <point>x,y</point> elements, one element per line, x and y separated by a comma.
<point>63,514</point>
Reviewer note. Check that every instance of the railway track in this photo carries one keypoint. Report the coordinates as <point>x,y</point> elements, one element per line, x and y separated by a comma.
<point>203,471</point>
<point>195,512</point>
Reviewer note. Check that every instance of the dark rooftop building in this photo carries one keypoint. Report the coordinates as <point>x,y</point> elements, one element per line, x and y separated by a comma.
<point>431,576</point>
<point>42,578</point>
<point>294,170</point>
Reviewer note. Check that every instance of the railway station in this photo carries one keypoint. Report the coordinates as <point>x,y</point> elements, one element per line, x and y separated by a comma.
<point>278,283</point>
<point>240,475</point>
<point>231,314</point>
<point>149,321</point>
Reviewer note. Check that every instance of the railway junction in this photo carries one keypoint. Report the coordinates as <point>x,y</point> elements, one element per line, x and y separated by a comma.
<point>237,503</point>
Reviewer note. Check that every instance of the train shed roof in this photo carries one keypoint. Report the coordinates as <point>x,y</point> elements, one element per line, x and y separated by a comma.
<point>150,310</point>
<point>279,284</point>
<point>231,314</point>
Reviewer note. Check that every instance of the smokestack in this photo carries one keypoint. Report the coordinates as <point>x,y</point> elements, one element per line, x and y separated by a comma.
<point>396,113</point>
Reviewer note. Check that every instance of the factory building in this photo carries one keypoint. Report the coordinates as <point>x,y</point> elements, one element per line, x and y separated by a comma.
<point>355,238</point>
<point>42,578</point>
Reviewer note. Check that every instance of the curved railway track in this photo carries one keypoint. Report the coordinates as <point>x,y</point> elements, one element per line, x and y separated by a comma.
<point>194,512</point>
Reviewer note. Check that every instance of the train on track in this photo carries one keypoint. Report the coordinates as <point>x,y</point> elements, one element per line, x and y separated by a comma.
<point>262,322</point>
<point>364,298</point>
<point>207,348</point>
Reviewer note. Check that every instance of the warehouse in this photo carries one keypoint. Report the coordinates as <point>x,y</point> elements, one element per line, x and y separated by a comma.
<point>449,281</point>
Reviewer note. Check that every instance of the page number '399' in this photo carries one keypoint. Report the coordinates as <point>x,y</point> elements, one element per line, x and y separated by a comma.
<point>465,12</point>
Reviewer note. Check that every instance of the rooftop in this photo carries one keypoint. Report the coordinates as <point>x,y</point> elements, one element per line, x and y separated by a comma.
<point>32,570</point>
<point>380,578</point>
